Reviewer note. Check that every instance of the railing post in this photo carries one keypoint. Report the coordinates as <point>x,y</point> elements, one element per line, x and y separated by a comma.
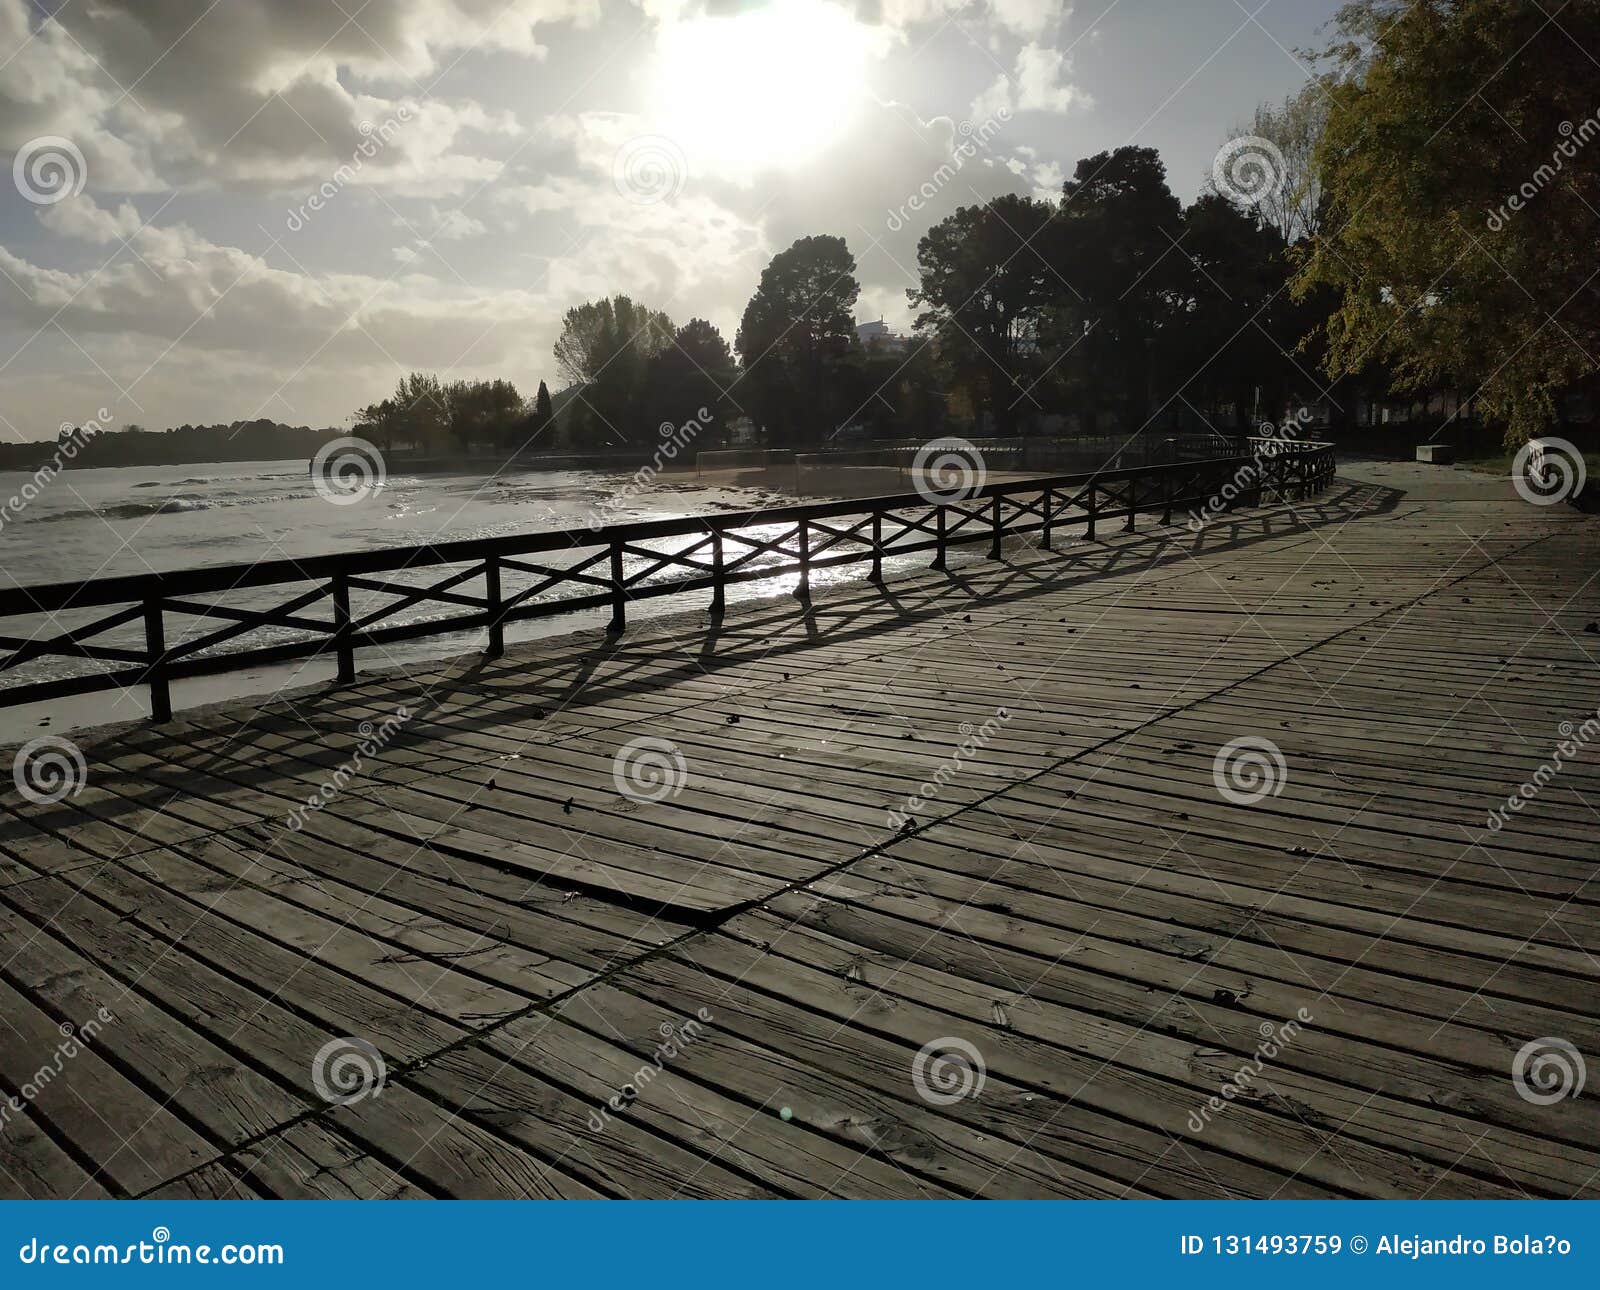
<point>1045,507</point>
<point>1166,509</point>
<point>491,595</point>
<point>1093,507</point>
<point>344,651</point>
<point>938,555</point>
<point>619,599</point>
<point>718,592</point>
<point>994,543</point>
<point>1133,502</point>
<point>803,540</point>
<point>155,644</point>
<point>877,548</point>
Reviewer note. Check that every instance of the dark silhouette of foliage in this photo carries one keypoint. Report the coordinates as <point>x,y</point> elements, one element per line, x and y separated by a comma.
<point>606,348</point>
<point>797,329</point>
<point>986,283</point>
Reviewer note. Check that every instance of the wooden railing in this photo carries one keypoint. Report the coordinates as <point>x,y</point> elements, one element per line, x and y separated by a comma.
<point>339,604</point>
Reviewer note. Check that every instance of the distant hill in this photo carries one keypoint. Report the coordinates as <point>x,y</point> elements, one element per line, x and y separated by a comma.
<point>260,440</point>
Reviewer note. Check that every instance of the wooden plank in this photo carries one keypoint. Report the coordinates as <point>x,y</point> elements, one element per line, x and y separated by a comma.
<point>1529,1156</point>
<point>512,932</point>
<point>411,1134</point>
<point>34,1166</point>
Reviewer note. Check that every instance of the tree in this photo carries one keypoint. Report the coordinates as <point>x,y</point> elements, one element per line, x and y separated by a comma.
<point>1230,340</point>
<point>596,334</point>
<point>1117,252</point>
<point>536,427</point>
<point>985,284</point>
<point>481,410</point>
<point>1290,196</point>
<point>798,326</point>
<point>896,391</point>
<point>691,373</point>
<point>605,347</point>
<point>421,412</point>
<point>379,423</point>
<point>1461,186</point>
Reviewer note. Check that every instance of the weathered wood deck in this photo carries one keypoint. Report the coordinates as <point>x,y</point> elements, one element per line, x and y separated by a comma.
<point>1078,901</point>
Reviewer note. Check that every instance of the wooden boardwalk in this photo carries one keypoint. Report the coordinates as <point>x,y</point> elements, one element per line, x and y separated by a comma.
<point>759,985</point>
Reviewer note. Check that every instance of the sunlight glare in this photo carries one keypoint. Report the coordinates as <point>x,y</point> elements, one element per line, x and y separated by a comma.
<point>767,88</point>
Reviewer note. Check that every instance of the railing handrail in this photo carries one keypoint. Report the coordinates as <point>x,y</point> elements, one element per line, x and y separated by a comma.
<point>122,588</point>
<point>1039,504</point>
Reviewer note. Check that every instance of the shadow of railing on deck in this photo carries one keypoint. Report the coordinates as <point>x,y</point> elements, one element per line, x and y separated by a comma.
<point>536,688</point>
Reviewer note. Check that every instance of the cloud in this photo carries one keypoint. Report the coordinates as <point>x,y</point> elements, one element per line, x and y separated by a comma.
<point>1047,180</point>
<point>1041,86</point>
<point>156,93</point>
<point>454,226</point>
<point>178,300</point>
<point>1037,83</point>
<point>79,217</point>
<point>1025,18</point>
<point>484,194</point>
<point>181,288</point>
<point>1029,18</point>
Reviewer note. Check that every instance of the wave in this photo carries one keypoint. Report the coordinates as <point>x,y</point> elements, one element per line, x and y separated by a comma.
<point>171,505</point>
<point>218,479</point>
<point>127,510</point>
<point>132,510</point>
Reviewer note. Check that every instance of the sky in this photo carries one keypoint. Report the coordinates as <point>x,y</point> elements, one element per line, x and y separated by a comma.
<point>220,210</point>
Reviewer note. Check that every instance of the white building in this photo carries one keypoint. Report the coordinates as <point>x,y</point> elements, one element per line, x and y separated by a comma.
<point>872,334</point>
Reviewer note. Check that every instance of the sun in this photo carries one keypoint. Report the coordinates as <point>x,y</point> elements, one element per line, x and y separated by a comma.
<point>772,86</point>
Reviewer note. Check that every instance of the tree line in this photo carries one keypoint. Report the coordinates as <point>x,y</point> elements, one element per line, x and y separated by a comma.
<point>96,444</point>
<point>1355,245</point>
<point>431,416</point>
